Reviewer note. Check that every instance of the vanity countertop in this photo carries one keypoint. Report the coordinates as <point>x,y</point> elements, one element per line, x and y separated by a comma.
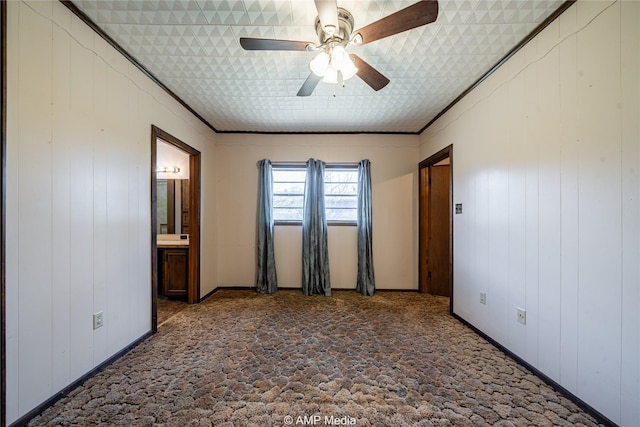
<point>172,240</point>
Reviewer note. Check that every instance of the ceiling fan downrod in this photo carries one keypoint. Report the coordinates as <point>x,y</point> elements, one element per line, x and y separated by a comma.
<point>342,34</point>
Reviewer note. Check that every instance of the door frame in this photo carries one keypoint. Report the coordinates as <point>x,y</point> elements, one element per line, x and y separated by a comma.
<point>3,174</point>
<point>423,203</point>
<point>193,289</point>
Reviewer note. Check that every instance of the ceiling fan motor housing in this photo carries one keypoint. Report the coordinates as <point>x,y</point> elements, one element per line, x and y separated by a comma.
<point>340,37</point>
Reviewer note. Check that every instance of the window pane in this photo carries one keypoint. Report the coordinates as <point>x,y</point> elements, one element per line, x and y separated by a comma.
<point>288,187</point>
<point>350,202</point>
<point>341,175</point>
<point>288,197</point>
<point>341,194</point>
<point>341,214</point>
<point>283,214</point>
<point>287,201</point>
<point>288,175</point>
<point>341,188</point>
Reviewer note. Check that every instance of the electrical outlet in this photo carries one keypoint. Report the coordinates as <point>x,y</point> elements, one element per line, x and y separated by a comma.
<point>98,320</point>
<point>483,297</point>
<point>522,316</point>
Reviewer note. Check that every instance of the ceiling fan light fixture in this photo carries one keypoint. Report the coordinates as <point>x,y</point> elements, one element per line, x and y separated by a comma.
<point>348,69</point>
<point>339,57</point>
<point>320,64</point>
<point>331,75</point>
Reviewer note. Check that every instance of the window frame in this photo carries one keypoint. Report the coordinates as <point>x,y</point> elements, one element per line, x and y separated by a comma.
<point>292,166</point>
<point>343,166</point>
<point>303,166</point>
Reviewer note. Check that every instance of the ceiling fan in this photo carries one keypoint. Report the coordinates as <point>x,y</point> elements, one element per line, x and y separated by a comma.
<point>334,26</point>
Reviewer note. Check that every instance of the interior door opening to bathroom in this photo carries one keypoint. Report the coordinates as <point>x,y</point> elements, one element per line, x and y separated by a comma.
<point>184,193</point>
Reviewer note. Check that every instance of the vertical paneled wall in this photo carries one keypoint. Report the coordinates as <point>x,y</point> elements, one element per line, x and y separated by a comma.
<point>546,165</point>
<point>78,199</point>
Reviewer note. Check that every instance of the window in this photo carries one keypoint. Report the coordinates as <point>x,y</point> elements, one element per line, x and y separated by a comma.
<point>340,193</point>
<point>288,193</point>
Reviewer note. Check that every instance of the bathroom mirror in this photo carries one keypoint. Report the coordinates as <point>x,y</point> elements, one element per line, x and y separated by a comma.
<point>173,206</point>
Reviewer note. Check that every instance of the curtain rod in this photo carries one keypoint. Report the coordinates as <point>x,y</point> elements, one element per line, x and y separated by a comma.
<point>303,164</point>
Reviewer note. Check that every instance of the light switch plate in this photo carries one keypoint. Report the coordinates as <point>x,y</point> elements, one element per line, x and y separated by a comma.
<point>483,297</point>
<point>522,316</point>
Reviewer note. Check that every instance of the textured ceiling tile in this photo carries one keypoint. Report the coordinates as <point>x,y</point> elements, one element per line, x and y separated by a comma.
<point>300,33</point>
<point>193,48</point>
<point>364,12</point>
<point>534,11</point>
<point>492,12</point>
<point>259,32</point>
<point>219,12</point>
<point>303,13</point>
<point>271,12</point>
<point>455,12</point>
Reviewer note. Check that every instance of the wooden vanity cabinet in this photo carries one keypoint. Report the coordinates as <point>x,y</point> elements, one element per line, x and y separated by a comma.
<point>174,271</point>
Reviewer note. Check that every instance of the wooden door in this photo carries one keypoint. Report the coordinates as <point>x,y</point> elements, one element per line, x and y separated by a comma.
<point>439,214</point>
<point>424,229</point>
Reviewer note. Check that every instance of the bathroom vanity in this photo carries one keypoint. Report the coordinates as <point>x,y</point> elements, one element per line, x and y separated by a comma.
<point>173,265</point>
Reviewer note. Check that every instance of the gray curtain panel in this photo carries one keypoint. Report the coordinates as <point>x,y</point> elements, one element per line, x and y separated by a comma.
<point>315,252</point>
<point>266,278</point>
<point>366,283</point>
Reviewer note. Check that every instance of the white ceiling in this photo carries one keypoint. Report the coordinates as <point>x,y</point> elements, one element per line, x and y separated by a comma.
<point>192,47</point>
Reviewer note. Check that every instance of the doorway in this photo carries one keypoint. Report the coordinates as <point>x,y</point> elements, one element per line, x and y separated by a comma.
<point>436,224</point>
<point>3,145</point>
<point>189,214</point>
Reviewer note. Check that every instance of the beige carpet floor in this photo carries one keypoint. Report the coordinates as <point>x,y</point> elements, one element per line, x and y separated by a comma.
<point>242,359</point>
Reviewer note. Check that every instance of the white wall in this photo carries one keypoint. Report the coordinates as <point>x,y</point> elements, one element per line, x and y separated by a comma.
<point>394,191</point>
<point>546,155</point>
<point>78,199</point>
<point>168,155</point>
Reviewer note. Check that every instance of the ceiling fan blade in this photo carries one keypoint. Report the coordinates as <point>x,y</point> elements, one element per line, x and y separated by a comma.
<point>369,75</point>
<point>328,14</point>
<point>309,85</point>
<point>271,44</point>
<point>416,15</point>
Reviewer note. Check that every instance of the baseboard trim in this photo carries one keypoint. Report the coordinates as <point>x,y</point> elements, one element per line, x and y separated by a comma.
<point>25,419</point>
<point>294,288</point>
<point>222,288</point>
<point>550,382</point>
<point>209,294</point>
